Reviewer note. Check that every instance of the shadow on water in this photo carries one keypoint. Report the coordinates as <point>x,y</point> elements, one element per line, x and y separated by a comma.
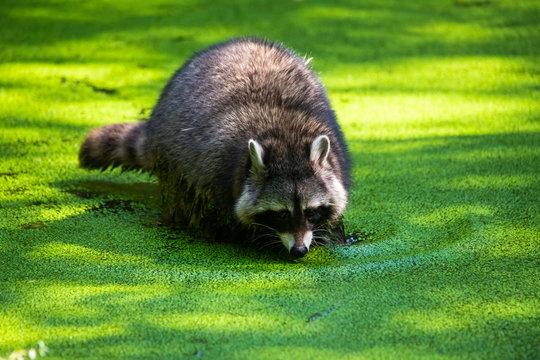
<point>348,32</point>
<point>145,193</point>
<point>173,241</point>
<point>430,192</point>
<point>437,191</point>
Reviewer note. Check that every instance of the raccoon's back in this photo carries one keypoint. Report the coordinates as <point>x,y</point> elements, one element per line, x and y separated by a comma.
<point>227,94</point>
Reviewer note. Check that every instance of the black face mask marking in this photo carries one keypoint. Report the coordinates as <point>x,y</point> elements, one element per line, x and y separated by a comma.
<point>279,221</point>
<point>283,221</point>
<point>319,215</point>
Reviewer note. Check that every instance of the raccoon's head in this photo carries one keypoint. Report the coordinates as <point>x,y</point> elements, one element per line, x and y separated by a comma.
<point>292,193</point>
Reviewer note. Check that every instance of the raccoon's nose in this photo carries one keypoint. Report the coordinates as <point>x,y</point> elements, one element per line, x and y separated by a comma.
<point>298,251</point>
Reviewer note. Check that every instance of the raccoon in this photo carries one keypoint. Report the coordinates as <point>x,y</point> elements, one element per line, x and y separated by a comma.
<point>244,143</point>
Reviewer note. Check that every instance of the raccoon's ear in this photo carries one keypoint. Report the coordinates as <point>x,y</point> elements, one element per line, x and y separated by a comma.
<point>256,153</point>
<point>319,150</point>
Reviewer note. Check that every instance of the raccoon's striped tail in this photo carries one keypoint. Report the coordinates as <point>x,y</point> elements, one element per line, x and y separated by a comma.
<point>116,145</point>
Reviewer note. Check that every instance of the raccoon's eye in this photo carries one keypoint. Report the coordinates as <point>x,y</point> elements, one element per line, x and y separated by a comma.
<point>317,215</point>
<point>283,214</point>
<point>276,220</point>
<point>312,215</point>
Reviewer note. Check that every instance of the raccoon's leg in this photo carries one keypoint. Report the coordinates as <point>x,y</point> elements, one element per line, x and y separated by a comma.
<point>116,145</point>
<point>187,209</point>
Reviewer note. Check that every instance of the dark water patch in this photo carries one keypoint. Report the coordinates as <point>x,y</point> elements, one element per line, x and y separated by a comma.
<point>145,111</point>
<point>114,206</point>
<point>94,88</point>
<point>147,194</point>
<point>105,205</point>
<point>84,194</point>
<point>320,314</point>
<point>17,190</point>
<point>181,38</point>
<point>472,3</point>
<point>34,225</point>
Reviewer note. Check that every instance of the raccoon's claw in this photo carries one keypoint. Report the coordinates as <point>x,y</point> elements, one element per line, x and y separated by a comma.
<point>298,252</point>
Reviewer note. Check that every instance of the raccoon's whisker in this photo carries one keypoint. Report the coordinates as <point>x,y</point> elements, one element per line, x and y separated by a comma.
<point>321,235</point>
<point>269,235</point>
<point>266,236</point>
<point>260,236</point>
<point>321,240</point>
<point>271,244</point>
<point>321,243</point>
<point>273,240</point>
<point>265,226</point>
<point>322,232</point>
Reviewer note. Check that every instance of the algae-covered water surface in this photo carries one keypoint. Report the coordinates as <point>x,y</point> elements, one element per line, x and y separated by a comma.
<point>439,104</point>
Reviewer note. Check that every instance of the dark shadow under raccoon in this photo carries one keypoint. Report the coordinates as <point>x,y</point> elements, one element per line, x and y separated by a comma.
<point>245,145</point>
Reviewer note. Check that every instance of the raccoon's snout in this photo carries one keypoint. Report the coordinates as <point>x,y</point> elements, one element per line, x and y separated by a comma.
<point>298,245</point>
<point>298,252</point>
